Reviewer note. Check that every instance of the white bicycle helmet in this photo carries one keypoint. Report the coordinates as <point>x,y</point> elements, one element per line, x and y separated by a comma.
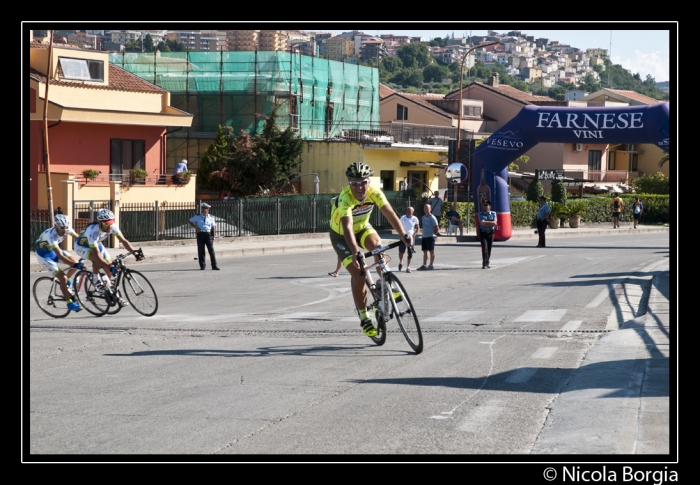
<point>105,215</point>
<point>61,221</point>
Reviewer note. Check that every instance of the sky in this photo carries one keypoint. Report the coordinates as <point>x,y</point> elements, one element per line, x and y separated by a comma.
<point>639,51</point>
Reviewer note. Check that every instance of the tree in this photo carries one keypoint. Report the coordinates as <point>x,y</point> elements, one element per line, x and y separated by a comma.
<point>265,161</point>
<point>415,54</point>
<point>558,191</point>
<point>656,183</point>
<point>148,43</point>
<point>663,160</point>
<point>212,161</point>
<point>534,191</point>
<point>391,64</point>
<point>512,166</point>
<point>435,73</point>
<point>409,77</point>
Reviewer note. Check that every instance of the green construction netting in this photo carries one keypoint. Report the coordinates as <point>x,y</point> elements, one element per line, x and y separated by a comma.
<point>230,87</point>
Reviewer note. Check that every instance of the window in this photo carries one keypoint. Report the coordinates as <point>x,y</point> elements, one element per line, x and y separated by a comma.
<point>82,69</point>
<point>594,159</point>
<point>416,180</point>
<point>401,112</point>
<point>611,160</point>
<point>472,111</point>
<point>387,179</point>
<point>633,162</point>
<point>125,155</point>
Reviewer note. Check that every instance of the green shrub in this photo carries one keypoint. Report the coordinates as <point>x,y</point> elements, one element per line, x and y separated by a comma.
<point>558,191</point>
<point>534,190</point>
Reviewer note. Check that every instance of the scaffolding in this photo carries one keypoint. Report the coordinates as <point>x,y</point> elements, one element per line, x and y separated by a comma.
<point>318,98</point>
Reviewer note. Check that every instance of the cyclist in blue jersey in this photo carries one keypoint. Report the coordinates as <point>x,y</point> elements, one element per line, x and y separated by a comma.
<point>351,230</point>
<point>48,254</point>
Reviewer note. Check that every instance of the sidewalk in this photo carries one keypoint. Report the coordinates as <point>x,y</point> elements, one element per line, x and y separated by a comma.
<point>186,249</point>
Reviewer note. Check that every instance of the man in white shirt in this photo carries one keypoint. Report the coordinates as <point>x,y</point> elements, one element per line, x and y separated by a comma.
<point>410,225</point>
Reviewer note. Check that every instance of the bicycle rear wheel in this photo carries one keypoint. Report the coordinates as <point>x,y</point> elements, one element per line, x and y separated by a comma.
<point>49,297</point>
<point>88,296</point>
<point>377,314</point>
<point>402,309</point>
<point>139,292</point>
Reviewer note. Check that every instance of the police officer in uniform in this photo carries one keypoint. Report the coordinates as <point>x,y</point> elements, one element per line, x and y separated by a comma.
<point>205,225</point>
<point>487,227</point>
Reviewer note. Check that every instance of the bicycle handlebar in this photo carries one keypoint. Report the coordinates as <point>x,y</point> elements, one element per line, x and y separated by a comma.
<point>381,249</point>
<point>121,257</point>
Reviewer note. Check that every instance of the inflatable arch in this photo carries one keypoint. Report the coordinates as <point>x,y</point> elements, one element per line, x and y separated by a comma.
<point>540,124</point>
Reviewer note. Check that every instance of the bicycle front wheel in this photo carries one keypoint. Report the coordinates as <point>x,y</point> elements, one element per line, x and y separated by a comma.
<point>403,310</point>
<point>49,297</point>
<point>89,297</point>
<point>139,292</point>
<point>376,312</point>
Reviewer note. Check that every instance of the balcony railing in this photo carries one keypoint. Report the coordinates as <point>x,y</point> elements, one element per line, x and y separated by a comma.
<point>126,179</point>
<point>612,176</point>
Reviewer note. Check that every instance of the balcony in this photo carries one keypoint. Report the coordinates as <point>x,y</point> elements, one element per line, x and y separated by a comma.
<point>610,176</point>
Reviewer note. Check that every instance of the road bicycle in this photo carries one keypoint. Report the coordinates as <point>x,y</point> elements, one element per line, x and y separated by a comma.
<point>49,297</point>
<point>390,300</point>
<point>134,286</point>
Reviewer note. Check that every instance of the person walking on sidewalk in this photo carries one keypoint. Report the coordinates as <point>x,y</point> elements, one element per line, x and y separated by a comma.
<point>637,208</point>
<point>410,225</point>
<point>205,226</point>
<point>487,227</point>
<point>430,232</point>
<point>616,206</point>
<point>542,220</point>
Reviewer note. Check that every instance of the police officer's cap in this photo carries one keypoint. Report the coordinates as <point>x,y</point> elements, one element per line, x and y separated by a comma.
<point>205,205</point>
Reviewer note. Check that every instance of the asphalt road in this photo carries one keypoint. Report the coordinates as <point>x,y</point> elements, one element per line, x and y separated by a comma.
<point>266,359</point>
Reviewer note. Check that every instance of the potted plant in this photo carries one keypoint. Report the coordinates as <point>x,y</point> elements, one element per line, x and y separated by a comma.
<point>557,212</point>
<point>138,175</point>
<point>575,210</point>
<point>90,173</point>
<point>185,176</point>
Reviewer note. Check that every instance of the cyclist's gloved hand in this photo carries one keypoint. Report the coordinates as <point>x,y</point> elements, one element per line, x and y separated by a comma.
<point>140,256</point>
<point>78,265</point>
<point>114,270</point>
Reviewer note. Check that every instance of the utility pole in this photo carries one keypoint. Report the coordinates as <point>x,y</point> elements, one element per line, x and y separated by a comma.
<point>47,164</point>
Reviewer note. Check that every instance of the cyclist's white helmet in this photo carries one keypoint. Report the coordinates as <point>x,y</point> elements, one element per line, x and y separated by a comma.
<point>61,221</point>
<point>105,215</point>
<point>358,170</point>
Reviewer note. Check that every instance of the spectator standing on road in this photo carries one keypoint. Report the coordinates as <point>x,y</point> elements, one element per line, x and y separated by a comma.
<point>453,217</point>
<point>410,225</point>
<point>436,204</point>
<point>181,167</point>
<point>542,220</point>
<point>430,232</point>
<point>637,208</point>
<point>616,206</point>
<point>205,226</point>
<point>487,227</point>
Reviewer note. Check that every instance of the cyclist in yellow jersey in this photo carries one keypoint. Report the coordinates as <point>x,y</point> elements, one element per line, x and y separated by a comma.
<point>351,230</point>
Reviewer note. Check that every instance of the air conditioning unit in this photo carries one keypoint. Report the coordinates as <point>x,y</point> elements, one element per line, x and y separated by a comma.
<point>578,147</point>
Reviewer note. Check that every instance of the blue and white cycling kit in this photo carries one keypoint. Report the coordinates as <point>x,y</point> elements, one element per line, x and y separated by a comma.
<point>45,245</point>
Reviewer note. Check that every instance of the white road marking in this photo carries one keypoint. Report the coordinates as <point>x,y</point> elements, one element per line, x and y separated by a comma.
<point>298,316</point>
<point>542,315</point>
<point>453,316</point>
<point>603,295</point>
<point>569,327</point>
<point>521,375</point>
<point>544,353</point>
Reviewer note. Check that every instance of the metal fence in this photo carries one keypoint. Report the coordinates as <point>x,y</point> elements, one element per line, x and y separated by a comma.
<point>243,217</point>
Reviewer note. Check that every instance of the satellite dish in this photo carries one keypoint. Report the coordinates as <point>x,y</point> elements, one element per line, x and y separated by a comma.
<point>456,173</point>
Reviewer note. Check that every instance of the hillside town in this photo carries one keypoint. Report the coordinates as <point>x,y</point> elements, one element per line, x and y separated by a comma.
<point>542,61</point>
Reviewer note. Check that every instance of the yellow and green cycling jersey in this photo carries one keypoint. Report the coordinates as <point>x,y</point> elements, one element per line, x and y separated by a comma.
<point>347,205</point>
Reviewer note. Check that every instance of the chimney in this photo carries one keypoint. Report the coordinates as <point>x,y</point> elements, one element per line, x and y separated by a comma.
<point>493,80</point>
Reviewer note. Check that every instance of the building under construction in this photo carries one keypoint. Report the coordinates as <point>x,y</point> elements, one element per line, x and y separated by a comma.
<point>321,99</point>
